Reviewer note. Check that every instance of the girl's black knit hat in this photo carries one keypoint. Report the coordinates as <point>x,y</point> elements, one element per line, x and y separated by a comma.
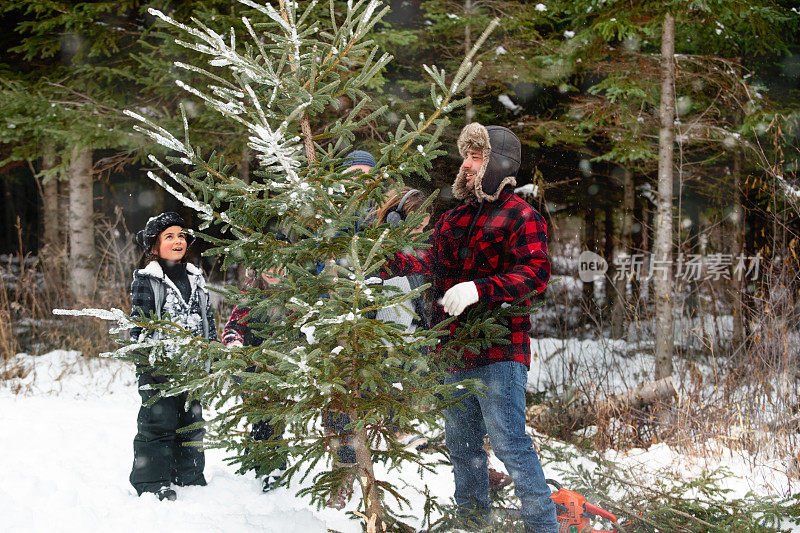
<point>146,238</point>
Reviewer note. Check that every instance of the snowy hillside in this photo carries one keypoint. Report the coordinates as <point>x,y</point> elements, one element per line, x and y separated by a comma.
<point>66,433</point>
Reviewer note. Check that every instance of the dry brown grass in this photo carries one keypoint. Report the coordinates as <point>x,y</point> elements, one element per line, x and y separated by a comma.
<point>8,341</point>
<point>741,399</point>
<point>11,310</point>
<point>36,287</point>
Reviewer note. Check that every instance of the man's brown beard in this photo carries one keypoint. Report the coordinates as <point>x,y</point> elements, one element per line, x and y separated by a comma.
<point>470,184</point>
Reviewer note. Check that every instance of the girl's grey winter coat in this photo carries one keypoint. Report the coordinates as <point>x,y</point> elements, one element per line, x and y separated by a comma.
<point>152,291</point>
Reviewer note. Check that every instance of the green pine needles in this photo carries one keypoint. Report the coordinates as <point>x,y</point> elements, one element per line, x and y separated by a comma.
<point>296,83</point>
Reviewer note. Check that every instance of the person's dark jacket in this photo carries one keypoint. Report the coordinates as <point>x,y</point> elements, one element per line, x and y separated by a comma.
<point>190,308</point>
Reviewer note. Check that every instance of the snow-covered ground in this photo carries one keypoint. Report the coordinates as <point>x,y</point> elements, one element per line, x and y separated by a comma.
<point>66,433</point>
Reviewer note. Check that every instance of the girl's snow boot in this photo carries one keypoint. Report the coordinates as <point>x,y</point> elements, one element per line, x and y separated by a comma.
<point>166,493</point>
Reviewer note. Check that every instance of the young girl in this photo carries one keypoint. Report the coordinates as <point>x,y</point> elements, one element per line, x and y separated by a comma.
<point>167,286</point>
<point>238,332</point>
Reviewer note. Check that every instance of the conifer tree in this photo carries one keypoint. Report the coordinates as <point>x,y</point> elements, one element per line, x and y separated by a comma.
<point>70,80</point>
<point>614,49</point>
<point>67,73</point>
<point>502,93</point>
<point>279,82</point>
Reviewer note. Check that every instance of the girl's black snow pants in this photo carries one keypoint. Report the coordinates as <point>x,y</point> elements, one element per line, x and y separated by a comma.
<point>162,455</point>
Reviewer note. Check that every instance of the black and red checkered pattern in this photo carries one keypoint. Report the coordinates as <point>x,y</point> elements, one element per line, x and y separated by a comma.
<point>506,256</point>
<point>236,327</point>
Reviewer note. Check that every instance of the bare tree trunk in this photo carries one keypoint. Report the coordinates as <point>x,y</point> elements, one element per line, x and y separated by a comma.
<point>608,254</point>
<point>159,200</point>
<point>54,249</point>
<point>81,224</point>
<point>638,238</point>
<point>648,249</point>
<point>8,217</point>
<point>63,216</point>
<point>620,295</point>
<point>697,239</point>
<point>373,508</point>
<point>366,477</point>
<point>469,110</point>
<point>244,164</point>
<point>737,250</point>
<point>49,203</point>
<point>663,238</point>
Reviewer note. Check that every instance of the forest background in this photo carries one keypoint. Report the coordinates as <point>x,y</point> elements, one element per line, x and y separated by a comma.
<point>582,83</point>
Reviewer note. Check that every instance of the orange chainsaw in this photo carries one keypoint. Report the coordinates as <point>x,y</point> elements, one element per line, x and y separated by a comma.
<point>574,513</point>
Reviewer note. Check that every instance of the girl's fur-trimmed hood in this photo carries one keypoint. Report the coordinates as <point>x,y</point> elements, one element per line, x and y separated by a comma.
<point>502,153</point>
<point>153,268</point>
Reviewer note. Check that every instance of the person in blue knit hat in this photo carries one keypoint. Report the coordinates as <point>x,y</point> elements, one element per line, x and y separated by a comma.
<point>334,422</point>
<point>360,160</point>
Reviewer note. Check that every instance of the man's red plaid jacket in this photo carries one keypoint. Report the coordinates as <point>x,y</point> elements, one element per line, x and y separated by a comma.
<point>506,256</point>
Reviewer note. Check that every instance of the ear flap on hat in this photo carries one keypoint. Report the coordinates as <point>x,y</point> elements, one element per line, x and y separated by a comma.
<point>397,214</point>
<point>503,164</point>
<point>499,167</point>
<point>140,240</point>
<point>394,218</point>
<point>474,136</point>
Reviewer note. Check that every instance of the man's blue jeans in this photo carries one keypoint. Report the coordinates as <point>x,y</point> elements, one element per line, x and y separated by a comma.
<point>501,414</point>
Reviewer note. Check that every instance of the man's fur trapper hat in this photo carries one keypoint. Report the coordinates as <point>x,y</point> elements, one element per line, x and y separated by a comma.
<point>502,153</point>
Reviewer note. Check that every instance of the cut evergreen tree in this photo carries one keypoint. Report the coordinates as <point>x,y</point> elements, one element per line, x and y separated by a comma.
<point>324,350</point>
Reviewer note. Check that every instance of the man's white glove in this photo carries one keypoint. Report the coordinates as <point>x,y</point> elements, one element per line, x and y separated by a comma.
<point>459,297</point>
